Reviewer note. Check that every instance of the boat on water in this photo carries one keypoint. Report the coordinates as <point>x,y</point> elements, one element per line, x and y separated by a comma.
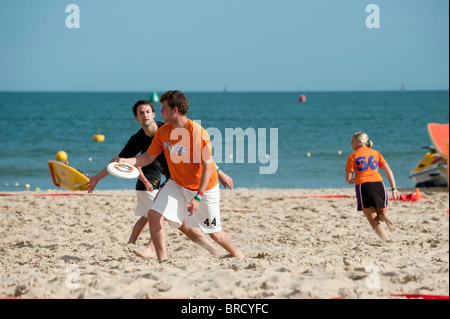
<point>432,170</point>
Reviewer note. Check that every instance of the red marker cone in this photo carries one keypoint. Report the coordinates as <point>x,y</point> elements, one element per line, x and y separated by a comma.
<point>418,195</point>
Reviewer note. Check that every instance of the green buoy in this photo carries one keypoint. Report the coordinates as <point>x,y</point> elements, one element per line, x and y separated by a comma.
<point>154,98</point>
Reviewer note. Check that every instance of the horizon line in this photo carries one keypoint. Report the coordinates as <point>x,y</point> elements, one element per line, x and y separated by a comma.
<point>227,92</point>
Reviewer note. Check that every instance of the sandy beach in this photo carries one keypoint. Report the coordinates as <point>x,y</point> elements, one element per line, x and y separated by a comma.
<point>298,244</point>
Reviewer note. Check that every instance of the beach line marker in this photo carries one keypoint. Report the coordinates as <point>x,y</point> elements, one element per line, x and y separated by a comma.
<point>323,196</point>
<point>65,194</point>
<point>416,296</point>
<point>411,296</point>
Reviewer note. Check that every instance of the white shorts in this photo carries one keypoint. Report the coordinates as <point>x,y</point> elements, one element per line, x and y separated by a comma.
<point>172,201</point>
<point>145,201</point>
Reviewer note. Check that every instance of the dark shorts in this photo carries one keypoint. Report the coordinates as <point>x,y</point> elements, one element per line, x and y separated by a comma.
<point>371,195</point>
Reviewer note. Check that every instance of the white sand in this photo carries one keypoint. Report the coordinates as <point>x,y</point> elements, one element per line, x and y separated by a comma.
<point>295,248</point>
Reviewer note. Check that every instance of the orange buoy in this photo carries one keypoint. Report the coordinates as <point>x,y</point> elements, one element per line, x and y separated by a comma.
<point>302,98</point>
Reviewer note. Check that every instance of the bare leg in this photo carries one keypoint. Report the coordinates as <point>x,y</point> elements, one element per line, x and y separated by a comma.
<point>224,240</point>
<point>158,233</point>
<point>372,217</point>
<point>198,237</point>
<point>137,230</point>
<point>383,216</point>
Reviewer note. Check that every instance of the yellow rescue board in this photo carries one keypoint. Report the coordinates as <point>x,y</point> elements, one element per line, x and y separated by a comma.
<point>66,176</point>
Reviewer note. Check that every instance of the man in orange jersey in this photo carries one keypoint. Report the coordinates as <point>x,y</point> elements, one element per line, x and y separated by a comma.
<point>192,191</point>
<point>149,182</point>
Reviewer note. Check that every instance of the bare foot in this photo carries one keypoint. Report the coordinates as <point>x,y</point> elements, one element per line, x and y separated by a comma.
<point>239,254</point>
<point>129,247</point>
<point>147,253</point>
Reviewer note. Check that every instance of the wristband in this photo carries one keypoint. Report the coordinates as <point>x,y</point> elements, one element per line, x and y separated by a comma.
<point>198,196</point>
<point>217,168</point>
<point>146,181</point>
<point>394,189</point>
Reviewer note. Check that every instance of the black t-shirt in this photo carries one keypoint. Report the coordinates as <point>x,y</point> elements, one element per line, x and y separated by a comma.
<point>139,143</point>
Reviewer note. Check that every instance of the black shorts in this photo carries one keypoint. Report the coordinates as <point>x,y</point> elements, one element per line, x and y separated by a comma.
<point>371,195</point>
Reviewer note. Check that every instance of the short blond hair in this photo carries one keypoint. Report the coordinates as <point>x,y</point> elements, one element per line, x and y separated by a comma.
<point>363,138</point>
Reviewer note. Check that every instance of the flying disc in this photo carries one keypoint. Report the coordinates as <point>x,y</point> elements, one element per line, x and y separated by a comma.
<point>122,170</point>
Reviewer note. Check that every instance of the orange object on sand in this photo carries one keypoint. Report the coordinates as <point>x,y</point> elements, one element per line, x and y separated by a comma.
<point>412,197</point>
<point>418,195</point>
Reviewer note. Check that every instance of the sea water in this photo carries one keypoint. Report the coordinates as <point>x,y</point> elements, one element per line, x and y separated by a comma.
<point>35,126</point>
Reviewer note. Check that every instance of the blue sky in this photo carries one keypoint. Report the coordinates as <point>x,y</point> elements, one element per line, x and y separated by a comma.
<point>206,45</point>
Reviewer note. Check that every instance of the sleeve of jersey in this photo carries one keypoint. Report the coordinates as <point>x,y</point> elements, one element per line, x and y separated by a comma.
<point>349,167</point>
<point>156,147</point>
<point>381,161</point>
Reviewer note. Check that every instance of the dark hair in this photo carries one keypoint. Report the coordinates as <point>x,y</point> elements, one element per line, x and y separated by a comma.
<point>142,102</point>
<point>176,99</point>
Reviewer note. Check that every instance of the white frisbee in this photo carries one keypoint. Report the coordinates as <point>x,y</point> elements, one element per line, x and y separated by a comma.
<point>122,170</point>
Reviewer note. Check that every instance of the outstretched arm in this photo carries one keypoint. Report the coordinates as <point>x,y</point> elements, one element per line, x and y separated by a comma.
<point>93,180</point>
<point>139,161</point>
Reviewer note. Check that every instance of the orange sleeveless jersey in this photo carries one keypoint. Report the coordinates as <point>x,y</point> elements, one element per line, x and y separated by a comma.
<point>185,149</point>
<point>365,163</point>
